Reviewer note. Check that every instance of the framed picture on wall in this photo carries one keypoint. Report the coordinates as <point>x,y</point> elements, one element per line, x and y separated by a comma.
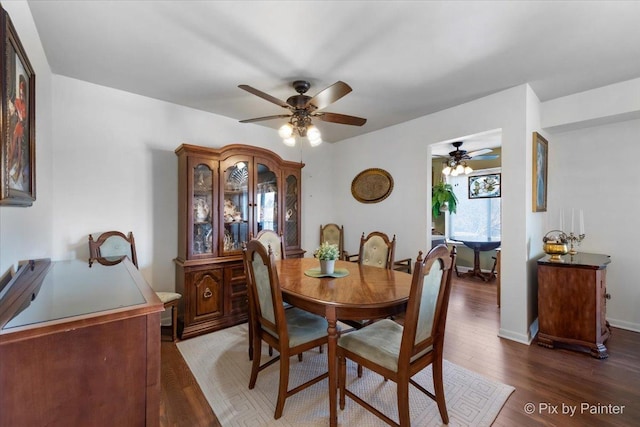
<point>484,186</point>
<point>540,166</point>
<point>18,125</point>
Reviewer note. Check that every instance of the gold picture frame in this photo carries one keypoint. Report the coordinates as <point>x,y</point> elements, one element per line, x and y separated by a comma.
<point>18,128</point>
<point>540,167</point>
<point>372,185</point>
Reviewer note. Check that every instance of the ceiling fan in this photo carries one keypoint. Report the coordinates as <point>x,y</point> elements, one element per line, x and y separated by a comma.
<point>303,107</point>
<point>456,163</point>
<point>459,154</point>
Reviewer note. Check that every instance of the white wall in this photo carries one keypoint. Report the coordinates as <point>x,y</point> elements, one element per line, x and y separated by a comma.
<point>25,233</point>
<point>591,133</point>
<point>403,151</point>
<point>105,159</point>
<point>115,168</point>
<point>586,173</point>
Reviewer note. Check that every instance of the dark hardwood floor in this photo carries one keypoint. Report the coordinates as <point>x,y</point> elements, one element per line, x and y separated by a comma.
<point>600,392</point>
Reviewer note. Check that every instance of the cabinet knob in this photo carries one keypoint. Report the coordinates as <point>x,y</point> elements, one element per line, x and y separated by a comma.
<point>607,295</point>
<point>207,293</point>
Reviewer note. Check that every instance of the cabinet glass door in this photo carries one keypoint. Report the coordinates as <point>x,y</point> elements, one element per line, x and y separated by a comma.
<point>266,199</point>
<point>291,238</point>
<point>202,217</point>
<point>236,206</point>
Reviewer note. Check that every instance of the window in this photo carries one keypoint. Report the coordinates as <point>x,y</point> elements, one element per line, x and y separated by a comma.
<point>475,219</point>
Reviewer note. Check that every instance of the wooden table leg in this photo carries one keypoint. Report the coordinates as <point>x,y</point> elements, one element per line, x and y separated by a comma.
<point>477,271</point>
<point>332,344</point>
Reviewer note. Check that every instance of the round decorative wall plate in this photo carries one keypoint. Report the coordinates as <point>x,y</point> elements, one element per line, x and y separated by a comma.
<point>372,185</point>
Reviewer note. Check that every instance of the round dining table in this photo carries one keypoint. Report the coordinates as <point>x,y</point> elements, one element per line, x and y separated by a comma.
<point>362,292</point>
<point>478,245</point>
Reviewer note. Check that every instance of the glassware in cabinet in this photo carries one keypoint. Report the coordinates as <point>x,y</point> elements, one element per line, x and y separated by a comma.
<point>291,228</point>
<point>236,213</point>
<point>202,214</point>
<point>266,199</point>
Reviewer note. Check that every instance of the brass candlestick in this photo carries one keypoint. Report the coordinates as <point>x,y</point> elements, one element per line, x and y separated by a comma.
<point>573,238</point>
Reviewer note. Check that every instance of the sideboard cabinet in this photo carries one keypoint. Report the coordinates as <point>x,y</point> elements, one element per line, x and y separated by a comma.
<point>225,196</point>
<point>572,296</point>
<point>79,346</point>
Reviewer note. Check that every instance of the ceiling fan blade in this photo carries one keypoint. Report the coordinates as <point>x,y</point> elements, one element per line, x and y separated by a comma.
<point>479,152</point>
<point>330,95</point>
<point>259,119</point>
<point>264,95</point>
<point>489,157</point>
<point>341,118</point>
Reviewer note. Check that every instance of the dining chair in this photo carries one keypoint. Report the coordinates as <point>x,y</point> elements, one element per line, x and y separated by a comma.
<point>398,352</point>
<point>273,239</point>
<point>111,248</point>
<point>376,250</point>
<point>333,234</point>
<point>269,238</point>
<point>291,331</point>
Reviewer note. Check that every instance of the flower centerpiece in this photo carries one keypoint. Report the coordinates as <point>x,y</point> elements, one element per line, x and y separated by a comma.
<point>327,254</point>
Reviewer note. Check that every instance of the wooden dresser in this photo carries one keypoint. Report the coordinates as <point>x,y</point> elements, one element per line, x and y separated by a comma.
<point>572,302</point>
<point>79,346</point>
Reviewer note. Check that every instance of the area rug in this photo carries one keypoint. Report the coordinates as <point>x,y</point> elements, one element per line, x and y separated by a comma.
<point>220,363</point>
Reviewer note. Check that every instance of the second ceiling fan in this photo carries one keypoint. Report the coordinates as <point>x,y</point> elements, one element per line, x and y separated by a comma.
<point>456,163</point>
<point>302,108</point>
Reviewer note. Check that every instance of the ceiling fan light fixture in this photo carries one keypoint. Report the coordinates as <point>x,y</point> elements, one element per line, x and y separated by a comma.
<point>467,170</point>
<point>313,132</point>
<point>291,141</point>
<point>314,142</point>
<point>446,170</point>
<point>285,131</point>
<point>303,107</point>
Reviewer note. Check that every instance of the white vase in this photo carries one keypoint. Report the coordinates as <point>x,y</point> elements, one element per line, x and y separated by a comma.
<point>327,266</point>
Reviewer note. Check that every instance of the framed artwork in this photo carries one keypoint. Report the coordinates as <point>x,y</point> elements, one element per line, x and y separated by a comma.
<point>372,185</point>
<point>18,124</point>
<point>540,166</point>
<point>484,186</point>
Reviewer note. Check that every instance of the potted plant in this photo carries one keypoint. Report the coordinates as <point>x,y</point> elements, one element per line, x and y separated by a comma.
<point>443,198</point>
<point>327,254</point>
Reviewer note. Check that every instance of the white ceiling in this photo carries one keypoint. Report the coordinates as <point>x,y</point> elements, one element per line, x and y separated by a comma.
<point>402,59</point>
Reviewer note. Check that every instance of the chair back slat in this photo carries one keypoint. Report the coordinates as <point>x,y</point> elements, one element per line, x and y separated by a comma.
<point>429,299</point>
<point>115,246</point>
<point>334,235</point>
<point>273,239</point>
<point>112,246</point>
<point>264,289</point>
<point>427,307</point>
<point>377,250</point>
<point>263,286</point>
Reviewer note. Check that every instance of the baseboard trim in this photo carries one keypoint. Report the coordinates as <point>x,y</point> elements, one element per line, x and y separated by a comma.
<point>629,326</point>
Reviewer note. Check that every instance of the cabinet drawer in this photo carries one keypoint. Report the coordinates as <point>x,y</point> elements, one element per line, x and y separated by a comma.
<point>237,282</point>
<point>237,279</point>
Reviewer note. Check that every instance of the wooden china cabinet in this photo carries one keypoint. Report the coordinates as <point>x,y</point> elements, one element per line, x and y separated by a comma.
<point>226,195</point>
